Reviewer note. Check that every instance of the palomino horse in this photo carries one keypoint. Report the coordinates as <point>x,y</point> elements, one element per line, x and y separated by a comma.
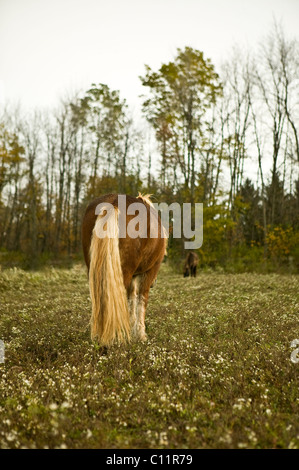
<point>191,264</point>
<point>121,269</point>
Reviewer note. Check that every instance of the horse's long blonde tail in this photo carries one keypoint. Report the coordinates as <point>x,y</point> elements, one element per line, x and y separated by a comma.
<point>110,319</point>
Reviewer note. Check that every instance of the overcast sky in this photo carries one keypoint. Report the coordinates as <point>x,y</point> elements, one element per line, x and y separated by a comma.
<point>53,47</point>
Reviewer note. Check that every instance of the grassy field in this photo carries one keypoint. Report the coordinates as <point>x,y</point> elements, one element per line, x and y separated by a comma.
<point>215,372</point>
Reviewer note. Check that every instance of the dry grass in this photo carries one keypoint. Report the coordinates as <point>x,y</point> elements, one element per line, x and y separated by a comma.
<point>215,373</point>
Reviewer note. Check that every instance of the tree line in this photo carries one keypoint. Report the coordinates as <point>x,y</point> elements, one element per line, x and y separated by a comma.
<point>227,138</point>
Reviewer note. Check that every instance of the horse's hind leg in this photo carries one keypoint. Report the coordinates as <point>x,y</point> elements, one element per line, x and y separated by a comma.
<point>133,292</point>
<point>145,282</point>
<point>137,307</point>
<point>140,325</point>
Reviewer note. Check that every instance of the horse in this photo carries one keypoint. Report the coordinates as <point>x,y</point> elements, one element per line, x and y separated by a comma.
<point>121,270</point>
<point>191,263</point>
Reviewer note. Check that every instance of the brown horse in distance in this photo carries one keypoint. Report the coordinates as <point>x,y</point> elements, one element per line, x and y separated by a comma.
<point>191,263</point>
<point>121,271</point>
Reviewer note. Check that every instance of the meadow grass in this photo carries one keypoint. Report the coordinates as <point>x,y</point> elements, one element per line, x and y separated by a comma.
<point>214,373</point>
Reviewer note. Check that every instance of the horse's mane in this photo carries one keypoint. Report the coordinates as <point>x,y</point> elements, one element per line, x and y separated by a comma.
<point>145,198</point>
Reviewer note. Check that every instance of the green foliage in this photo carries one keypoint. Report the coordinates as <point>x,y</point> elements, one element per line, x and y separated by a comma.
<point>282,243</point>
<point>180,94</point>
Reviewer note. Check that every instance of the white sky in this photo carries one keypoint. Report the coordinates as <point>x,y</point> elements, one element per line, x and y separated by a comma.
<point>49,48</point>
